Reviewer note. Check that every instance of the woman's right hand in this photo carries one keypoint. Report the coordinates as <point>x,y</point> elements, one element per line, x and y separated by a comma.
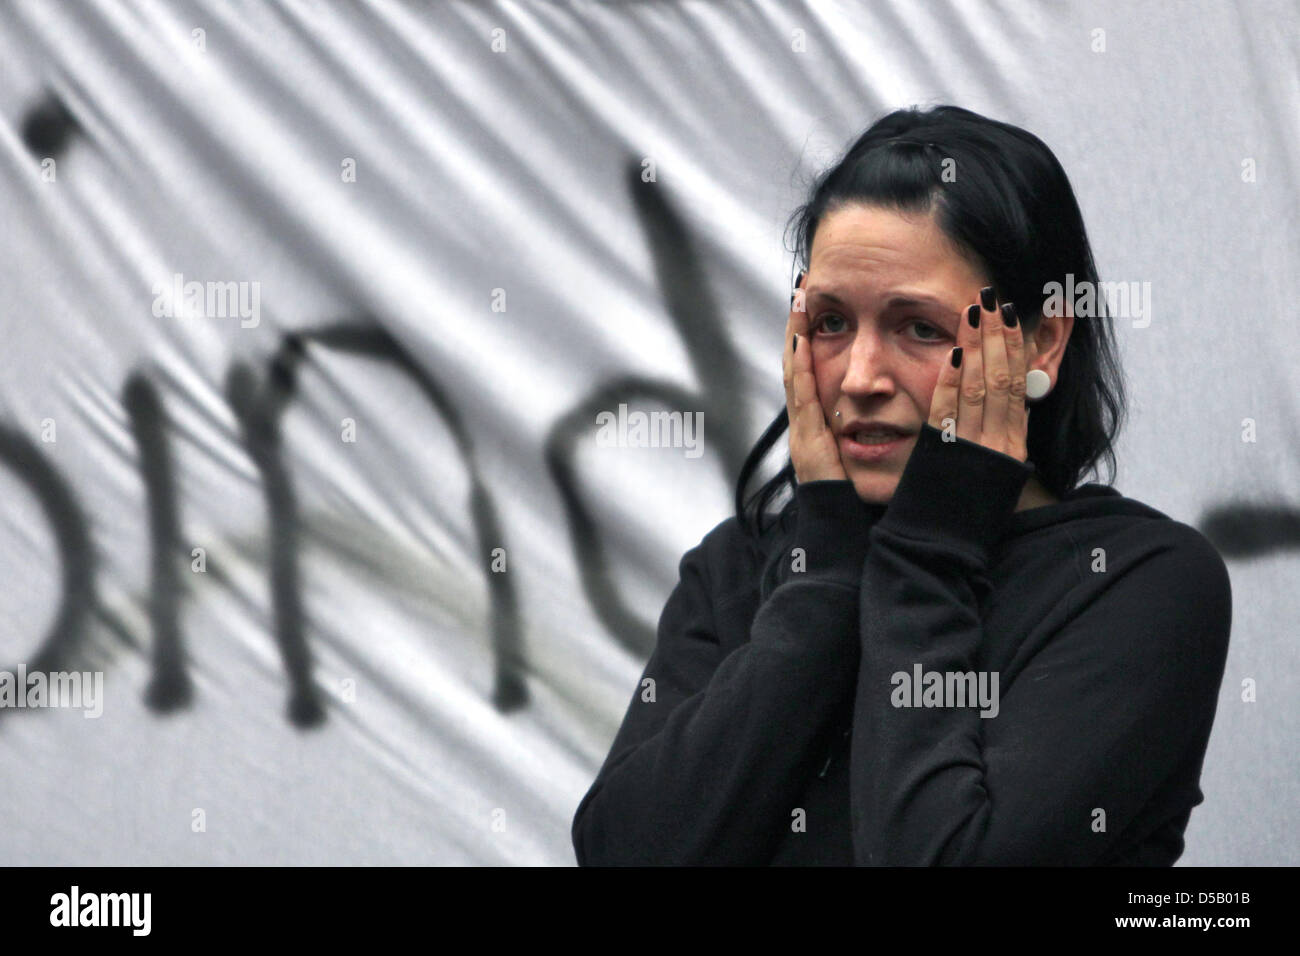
<point>813,448</point>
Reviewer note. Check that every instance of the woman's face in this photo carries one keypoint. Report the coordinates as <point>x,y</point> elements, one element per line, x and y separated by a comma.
<point>884,295</point>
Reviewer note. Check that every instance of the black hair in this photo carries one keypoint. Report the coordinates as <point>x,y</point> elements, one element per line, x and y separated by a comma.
<point>1011,210</point>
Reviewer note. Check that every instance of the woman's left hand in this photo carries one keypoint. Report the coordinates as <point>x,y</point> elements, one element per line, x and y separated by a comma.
<point>986,395</point>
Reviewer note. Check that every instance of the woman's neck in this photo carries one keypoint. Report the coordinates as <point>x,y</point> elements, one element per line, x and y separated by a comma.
<point>1034,495</point>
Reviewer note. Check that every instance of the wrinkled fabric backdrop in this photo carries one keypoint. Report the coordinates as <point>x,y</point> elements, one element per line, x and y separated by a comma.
<point>363,583</point>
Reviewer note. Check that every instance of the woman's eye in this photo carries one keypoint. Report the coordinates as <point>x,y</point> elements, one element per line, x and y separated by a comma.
<point>831,323</point>
<point>917,323</point>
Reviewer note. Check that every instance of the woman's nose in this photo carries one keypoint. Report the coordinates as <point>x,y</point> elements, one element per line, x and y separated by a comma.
<point>869,367</point>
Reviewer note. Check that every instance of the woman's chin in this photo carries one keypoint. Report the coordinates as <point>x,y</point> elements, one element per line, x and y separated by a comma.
<point>874,489</point>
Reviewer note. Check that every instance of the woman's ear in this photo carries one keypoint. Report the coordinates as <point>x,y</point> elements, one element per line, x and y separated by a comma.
<point>1045,347</point>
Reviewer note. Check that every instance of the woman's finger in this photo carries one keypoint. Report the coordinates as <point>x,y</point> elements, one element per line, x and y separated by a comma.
<point>802,391</point>
<point>807,406</point>
<point>997,383</point>
<point>1017,410</point>
<point>944,401</point>
<point>787,363</point>
<point>795,324</point>
<point>970,396</point>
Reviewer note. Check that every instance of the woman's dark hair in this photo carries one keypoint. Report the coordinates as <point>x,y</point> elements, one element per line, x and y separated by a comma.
<point>1009,207</point>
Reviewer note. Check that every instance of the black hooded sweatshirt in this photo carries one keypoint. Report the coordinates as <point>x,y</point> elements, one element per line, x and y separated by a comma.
<point>815,698</point>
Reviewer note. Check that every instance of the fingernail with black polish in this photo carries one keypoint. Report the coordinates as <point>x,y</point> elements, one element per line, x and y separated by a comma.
<point>988,299</point>
<point>794,344</point>
<point>973,316</point>
<point>1009,315</point>
<point>956,357</point>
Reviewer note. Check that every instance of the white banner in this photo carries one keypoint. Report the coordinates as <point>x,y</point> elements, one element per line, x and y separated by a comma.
<point>310,310</point>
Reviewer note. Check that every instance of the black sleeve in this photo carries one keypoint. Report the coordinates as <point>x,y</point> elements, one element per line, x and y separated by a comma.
<point>708,769</point>
<point>1098,720</point>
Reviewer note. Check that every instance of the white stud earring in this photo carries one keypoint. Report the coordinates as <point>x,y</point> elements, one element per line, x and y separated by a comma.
<point>837,414</point>
<point>1037,384</point>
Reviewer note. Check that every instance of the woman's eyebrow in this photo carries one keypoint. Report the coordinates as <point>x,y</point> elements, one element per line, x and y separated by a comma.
<point>916,299</point>
<point>898,300</point>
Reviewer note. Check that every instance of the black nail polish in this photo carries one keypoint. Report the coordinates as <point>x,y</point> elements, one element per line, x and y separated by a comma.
<point>973,316</point>
<point>794,345</point>
<point>988,299</point>
<point>956,357</point>
<point>1009,315</point>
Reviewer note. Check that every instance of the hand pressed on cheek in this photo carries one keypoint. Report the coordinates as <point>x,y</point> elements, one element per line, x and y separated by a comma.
<point>980,394</point>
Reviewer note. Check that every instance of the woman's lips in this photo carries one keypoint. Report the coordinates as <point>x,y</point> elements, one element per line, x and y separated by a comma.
<point>869,453</point>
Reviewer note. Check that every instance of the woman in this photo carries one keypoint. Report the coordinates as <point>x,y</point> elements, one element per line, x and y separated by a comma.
<point>945,650</point>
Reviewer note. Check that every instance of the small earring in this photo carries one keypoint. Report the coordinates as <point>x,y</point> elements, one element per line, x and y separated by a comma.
<point>1037,384</point>
<point>837,414</point>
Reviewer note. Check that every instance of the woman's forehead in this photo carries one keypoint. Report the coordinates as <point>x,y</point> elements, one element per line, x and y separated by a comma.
<point>861,246</point>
